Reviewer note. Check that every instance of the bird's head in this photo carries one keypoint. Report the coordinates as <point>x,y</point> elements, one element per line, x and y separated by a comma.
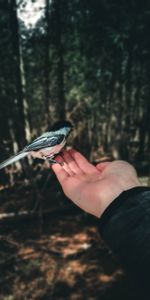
<point>62,127</point>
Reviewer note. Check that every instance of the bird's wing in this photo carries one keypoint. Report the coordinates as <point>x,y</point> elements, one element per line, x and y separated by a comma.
<point>45,142</point>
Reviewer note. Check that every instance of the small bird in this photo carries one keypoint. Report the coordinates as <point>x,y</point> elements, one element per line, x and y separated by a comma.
<point>47,146</point>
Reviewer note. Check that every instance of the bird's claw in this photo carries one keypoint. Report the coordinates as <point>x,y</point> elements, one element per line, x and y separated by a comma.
<point>53,161</point>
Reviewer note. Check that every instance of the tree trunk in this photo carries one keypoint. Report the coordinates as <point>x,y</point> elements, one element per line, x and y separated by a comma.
<point>48,116</point>
<point>60,68</point>
<point>19,105</point>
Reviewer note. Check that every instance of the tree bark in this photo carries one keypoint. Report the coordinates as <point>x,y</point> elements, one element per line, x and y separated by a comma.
<point>48,103</point>
<point>60,68</point>
<point>19,104</point>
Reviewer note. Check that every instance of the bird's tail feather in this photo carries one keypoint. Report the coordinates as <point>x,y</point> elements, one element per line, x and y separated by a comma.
<point>13,159</point>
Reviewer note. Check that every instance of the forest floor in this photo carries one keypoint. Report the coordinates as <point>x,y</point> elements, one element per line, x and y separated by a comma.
<point>58,256</point>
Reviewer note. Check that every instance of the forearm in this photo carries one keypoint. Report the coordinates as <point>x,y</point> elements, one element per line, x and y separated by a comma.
<point>125,226</point>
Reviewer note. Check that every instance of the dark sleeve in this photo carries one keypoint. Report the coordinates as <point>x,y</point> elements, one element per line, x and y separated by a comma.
<point>125,227</point>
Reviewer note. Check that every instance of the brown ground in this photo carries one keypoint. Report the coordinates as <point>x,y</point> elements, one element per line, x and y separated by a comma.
<point>67,260</point>
<point>58,257</point>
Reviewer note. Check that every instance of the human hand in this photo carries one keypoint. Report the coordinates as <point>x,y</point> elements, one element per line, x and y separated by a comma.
<point>90,187</point>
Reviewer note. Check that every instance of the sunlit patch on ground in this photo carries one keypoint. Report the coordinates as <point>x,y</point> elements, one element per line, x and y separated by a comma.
<point>67,261</point>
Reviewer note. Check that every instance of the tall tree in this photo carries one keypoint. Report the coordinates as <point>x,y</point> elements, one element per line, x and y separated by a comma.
<point>58,11</point>
<point>48,103</point>
<point>20,109</point>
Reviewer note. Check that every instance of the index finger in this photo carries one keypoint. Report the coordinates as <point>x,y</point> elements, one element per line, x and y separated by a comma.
<point>60,173</point>
<point>82,162</point>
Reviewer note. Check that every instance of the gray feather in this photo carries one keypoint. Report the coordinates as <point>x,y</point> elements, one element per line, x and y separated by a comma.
<point>45,142</point>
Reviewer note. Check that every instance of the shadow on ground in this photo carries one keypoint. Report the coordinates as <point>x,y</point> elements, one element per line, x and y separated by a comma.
<point>62,259</point>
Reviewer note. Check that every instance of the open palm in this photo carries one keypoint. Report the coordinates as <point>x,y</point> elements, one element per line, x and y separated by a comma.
<point>91,187</point>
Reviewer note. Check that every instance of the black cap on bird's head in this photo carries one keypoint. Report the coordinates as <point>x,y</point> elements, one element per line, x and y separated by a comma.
<point>62,126</point>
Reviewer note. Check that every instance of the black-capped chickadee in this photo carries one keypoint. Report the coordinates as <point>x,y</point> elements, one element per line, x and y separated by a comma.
<point>47,146</point>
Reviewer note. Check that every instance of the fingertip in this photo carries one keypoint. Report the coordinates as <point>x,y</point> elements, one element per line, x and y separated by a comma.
<point>60,172</point>
<point>58,165</point>
<point>55,167</point>
<point>74,152</point>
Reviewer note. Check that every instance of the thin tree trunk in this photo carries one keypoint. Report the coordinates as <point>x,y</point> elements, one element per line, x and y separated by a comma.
<point>18,79</point>
<point>61,94</point>
<point>48,116</point>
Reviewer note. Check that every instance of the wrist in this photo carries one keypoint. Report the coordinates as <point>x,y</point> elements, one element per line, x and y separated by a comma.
<point>129,183</point>
<point>115,188</point>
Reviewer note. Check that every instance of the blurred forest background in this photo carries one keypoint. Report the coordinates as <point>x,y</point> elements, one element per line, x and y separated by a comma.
<point>88,62</point>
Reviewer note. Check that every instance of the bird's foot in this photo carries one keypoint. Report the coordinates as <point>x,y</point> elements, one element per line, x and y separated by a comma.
<point>53,161</point>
